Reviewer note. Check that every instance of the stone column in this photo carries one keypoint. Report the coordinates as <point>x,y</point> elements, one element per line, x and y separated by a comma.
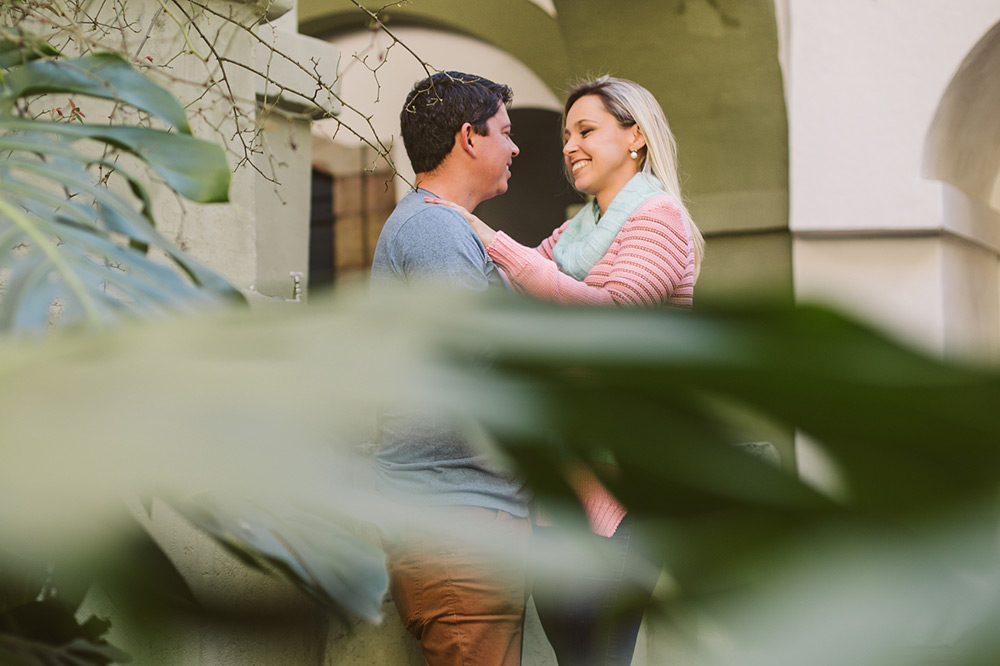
<point>243,94</point>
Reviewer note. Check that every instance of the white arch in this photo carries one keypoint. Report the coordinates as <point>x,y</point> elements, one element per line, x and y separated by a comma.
<point>963,144</point>
<point>380,93</point>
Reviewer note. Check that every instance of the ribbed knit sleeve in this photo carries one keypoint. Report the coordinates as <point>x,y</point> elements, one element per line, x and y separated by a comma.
<point>530,272</point>
<point>650,262</point>
<point>545,248</point>
<point>604,512</point>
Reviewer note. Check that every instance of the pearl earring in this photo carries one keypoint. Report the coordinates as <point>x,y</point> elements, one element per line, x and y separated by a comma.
<point>633,154</point>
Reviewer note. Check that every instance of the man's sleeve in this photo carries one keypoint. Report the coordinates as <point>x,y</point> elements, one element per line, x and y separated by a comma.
<point>438,246</point>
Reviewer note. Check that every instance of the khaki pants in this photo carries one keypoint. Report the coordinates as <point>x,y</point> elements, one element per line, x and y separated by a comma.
<point>463,595</point>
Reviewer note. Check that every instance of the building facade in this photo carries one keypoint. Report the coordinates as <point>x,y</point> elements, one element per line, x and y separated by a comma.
<point>845,153</point>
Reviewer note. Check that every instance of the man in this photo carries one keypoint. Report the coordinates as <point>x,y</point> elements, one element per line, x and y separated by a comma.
<point>463,597</point>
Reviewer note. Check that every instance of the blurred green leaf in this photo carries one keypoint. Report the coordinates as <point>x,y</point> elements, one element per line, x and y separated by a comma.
<point>108,211</point>
<point>46,633</point>
<point>873,404</point>
<point>195,168</point>
<point>79,269</point>
<point>329,563</point>
<point>73,249</point>
<point>17,48</point>
<point>889,570</point>
<point>102,75</point>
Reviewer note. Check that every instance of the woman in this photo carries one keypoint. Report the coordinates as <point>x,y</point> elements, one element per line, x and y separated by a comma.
<point>634,244</point>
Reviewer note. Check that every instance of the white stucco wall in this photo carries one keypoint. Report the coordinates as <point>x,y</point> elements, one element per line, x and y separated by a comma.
<point>865,79</point>
<point>870,233</point>
<point>971,276</point>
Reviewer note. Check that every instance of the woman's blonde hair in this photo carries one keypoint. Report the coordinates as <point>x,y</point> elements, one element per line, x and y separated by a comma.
<point>631,104</point>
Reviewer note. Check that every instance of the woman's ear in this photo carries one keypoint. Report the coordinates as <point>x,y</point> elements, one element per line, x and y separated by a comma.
<point>638,140</point>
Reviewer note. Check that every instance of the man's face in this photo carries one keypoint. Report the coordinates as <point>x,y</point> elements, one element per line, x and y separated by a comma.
<point>494,153</point>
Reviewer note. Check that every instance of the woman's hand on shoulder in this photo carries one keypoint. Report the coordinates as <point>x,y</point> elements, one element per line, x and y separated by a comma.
<point>483,230</point>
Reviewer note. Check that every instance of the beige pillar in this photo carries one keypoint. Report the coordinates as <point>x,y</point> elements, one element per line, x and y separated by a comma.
<point>876,122</point>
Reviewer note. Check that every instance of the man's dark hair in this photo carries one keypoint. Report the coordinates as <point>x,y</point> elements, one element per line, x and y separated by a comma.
<point>438,106</point>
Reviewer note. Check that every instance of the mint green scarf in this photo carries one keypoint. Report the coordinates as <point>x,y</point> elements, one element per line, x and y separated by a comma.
<point>589,235</point>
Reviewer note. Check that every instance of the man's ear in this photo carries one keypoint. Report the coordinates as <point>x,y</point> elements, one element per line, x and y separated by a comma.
<point>464,139</point>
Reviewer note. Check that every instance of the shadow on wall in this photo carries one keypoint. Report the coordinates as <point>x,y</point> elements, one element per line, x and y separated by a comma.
<point>963,143</point>
<point>539,192</point>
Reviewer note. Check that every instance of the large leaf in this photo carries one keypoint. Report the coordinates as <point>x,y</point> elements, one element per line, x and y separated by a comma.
<point>785,574</point>
<point>912,438</point>
<point>323,558</point>
<point>29,182</point>
<point>66,167</point>
<point>17,48</point>
<point>46,633</point>
<point>84,270</point>
<point>73,248</point>
<point>195,168</point>
<point>102,75</point>
<point>860,390</point>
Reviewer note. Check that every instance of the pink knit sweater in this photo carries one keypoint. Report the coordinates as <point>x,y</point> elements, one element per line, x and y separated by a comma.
<point>650,262</point>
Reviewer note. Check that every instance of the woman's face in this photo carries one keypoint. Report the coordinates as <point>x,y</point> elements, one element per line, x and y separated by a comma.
<point>597,150</point>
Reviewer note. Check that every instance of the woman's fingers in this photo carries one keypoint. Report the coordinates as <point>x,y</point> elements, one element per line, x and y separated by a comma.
<point>450,204</point>
<point>445,202</point>
<point>483,230</point>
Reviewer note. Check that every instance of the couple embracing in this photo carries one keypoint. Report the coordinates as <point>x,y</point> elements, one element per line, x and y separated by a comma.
<point>633,244</point>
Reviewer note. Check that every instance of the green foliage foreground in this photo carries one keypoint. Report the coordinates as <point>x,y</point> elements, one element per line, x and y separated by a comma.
<point>73,245</point>
<point>79,248</point>
<point>267,411</point>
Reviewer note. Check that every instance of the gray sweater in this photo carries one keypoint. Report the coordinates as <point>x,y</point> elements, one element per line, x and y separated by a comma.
<point>422,458</point>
